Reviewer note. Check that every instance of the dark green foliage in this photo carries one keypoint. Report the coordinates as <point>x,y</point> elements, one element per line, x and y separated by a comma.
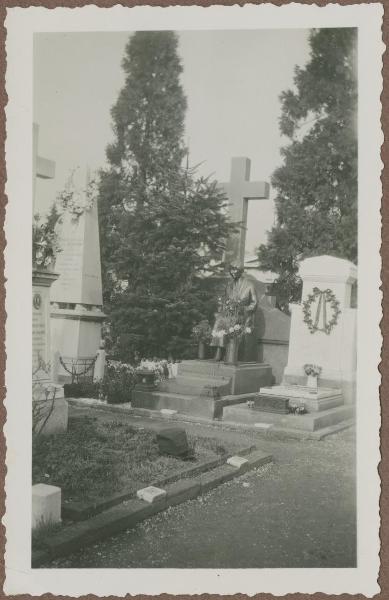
<point>83,389</point>
<point>160,227</point>
<point>316,186</point>
<point>118,383</point>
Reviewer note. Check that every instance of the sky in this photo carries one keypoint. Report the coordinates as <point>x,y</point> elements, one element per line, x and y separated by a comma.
<point>232,80</point>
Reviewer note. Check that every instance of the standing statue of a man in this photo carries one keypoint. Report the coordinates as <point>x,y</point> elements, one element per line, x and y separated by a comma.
<point>240,290</point>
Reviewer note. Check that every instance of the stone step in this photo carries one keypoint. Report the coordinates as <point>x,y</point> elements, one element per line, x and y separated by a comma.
<point>245,377</point>
<point>208,368</point>
<point>182,403</point>
<point>196,386</point>
<point>313,421</point>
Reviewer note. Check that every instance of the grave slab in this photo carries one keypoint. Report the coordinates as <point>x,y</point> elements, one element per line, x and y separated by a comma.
<point>46,504</point>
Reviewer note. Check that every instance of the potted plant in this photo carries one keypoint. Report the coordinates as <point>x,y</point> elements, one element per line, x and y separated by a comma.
<point>202,334</point>
<point>312,372</point>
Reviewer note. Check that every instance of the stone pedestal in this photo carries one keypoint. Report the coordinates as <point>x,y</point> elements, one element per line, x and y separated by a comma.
<point>53,416</point>
<point>324,326</point>
<point>76,297</point>
<point>203,387</point>
<point>76,334</point>
<point>46,505</point>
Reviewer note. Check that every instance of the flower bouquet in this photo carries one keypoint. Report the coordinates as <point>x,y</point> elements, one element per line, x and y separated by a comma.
<point>202,333</point>
<point>312,372</point>
<point>45,245</point>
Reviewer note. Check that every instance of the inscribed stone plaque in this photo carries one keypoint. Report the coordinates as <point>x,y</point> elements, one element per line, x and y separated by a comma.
<point>274,404</point>
<point>39,329</point>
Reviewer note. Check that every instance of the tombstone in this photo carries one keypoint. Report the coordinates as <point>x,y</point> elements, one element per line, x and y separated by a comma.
<point>201,388</point>
<point>174,442</point>
<point>269,343</point>
<point>323,333</point>
<point>50,409</point>
<point>239,191</point>
<point>324,326</point>
<point>76,296</point>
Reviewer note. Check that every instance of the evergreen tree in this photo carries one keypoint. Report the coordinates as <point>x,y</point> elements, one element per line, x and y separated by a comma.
<point>161,228</point>
<point>316,202</point>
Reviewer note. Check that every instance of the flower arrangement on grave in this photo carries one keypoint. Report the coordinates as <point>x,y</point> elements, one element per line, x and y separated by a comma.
<point>312,370</point>
<point>75,201</point>
<point>232,321</point>
<point>297,409</point>
<point>45,244</point>
<point>118,382</point>
<point>202,332</point>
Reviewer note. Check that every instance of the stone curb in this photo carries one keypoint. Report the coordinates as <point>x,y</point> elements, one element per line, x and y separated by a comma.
<point>134,511</point>
<point>80,511</point>
<point>278,433</point>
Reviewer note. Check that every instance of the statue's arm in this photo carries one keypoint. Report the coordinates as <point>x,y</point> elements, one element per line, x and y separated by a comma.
<point>253,299</point>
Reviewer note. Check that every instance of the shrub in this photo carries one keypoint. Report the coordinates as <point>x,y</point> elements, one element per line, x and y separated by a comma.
<point>118,382</point>
<point>83,389</point>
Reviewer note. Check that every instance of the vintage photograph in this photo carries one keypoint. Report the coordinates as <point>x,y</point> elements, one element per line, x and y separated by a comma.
<point>199,324</point>
<point>196,236</point>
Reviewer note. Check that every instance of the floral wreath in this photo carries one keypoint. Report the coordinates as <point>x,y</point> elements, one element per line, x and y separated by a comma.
<point>76,201</point>
<point>327,296</point>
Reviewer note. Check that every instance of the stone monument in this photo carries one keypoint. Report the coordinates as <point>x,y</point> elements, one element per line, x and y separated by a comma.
<point>324,326</point>
<point>76,296</point>
<point>50,409</point>
<point>323,342</point>
<point>202,387</point>
<point>269,342</point>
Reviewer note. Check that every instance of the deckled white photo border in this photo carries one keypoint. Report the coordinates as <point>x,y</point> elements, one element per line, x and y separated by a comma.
<point>20,578</point>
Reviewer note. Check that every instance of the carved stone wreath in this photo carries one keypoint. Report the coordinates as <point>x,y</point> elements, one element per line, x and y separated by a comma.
<point>325,297</point>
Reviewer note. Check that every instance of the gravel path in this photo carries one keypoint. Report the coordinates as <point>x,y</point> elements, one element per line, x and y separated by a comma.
<point>297,512</point>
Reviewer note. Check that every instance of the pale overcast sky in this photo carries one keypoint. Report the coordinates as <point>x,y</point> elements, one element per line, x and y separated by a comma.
<point>232,80</point>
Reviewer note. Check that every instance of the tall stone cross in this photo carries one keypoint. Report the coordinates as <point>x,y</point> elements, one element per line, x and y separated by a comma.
<point>43,168</point>
<point>239,191</point>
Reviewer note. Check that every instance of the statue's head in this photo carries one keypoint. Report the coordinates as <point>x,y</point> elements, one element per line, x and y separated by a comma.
<point>235,269</point>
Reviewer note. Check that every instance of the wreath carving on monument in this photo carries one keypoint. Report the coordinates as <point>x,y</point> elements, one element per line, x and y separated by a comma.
<point>77,201</point>
<point>326,298</point>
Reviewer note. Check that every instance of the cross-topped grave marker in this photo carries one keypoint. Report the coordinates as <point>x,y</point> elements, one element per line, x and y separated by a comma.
<point>239,191</point>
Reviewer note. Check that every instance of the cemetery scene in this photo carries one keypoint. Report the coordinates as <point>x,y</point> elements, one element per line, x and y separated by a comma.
<point>194,300</point>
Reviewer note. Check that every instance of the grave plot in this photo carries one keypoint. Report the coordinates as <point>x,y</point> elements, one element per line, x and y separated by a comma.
<point>99,464</point>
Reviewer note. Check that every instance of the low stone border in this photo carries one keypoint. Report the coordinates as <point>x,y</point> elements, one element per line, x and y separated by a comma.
<point>279,433</point>
<point>133,511</point>
<point>80,511</point>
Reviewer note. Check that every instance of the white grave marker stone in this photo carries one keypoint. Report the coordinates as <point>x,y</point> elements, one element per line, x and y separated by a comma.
<point>324,326</point>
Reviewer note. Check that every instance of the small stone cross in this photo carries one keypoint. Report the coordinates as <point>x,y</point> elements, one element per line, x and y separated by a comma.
<point>239,191</point>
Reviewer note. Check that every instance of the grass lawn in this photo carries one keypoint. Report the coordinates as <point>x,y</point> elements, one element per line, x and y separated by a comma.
<point>97,458</point>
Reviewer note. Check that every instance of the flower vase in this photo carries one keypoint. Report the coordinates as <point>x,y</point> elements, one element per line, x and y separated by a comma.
<point>201,351</point>
<point>232,351</point>
<point>312,382</point>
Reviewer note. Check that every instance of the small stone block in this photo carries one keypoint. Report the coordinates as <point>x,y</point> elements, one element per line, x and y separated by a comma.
<point>46,504</point>
<point>168,412</point>
<point>237,461</point>
<point>263,425</point>
<point>151,494</point>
